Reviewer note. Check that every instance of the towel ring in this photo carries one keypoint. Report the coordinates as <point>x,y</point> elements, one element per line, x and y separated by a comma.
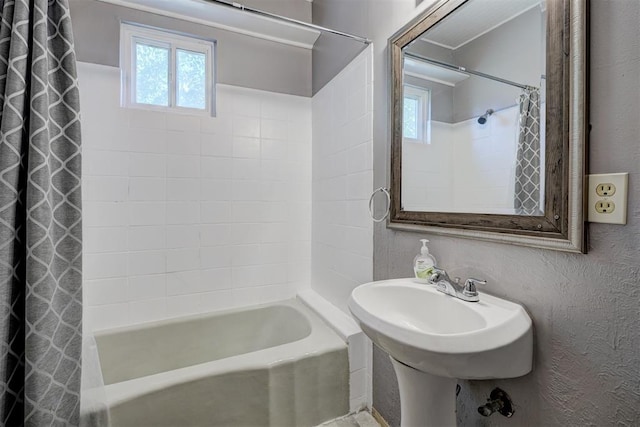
<point>388,197</point>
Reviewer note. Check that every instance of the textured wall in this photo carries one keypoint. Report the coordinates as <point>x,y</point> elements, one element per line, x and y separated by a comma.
<point>240,60</point>
<point>585,308</point>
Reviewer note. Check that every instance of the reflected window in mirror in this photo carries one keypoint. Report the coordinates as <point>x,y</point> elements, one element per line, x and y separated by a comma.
<point>417,115</point>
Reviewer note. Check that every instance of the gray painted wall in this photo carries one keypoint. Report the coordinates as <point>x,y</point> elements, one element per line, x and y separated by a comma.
<point>332,53</point>
<point>585,308</point>
<point>241,60</point>
<point>296,9</point>
<point>518,43</point>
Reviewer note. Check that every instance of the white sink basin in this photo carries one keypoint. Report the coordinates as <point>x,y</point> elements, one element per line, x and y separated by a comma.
<point>445,336</point>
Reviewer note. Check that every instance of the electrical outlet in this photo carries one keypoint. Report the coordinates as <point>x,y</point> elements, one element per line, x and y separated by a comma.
<point>606,190</point>
<point>605,207</point>
<point>608,198</point>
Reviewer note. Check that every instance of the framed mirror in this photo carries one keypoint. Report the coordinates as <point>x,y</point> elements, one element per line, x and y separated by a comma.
<point>489,122</point>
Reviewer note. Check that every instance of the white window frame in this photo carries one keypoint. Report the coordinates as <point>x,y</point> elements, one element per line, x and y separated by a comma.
<point>130,34</point>
<point>423,96</point>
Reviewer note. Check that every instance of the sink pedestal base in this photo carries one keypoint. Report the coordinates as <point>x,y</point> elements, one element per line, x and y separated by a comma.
<point>425,400</point>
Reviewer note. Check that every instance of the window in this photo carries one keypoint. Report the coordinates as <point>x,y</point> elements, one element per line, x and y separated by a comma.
<point>166,71</point>
<point>416,115</point>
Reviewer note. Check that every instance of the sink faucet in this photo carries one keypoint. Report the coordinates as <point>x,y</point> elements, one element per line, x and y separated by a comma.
<point>444,284</point>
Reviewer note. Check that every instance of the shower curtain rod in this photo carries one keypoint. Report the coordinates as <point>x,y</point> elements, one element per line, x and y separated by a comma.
<point>466,70</point>
<point>244,8</point>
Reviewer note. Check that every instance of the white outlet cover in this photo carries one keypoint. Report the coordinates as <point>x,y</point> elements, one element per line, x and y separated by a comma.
<point>619,198</point>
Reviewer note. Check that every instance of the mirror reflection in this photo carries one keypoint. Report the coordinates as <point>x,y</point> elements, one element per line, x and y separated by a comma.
<point>474,111</point>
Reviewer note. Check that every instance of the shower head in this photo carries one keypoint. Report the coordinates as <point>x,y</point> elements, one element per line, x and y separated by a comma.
<point>483,118</point>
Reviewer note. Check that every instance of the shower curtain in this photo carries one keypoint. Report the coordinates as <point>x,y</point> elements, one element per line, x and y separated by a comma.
<point>527,185</point>
<point>40,217</point>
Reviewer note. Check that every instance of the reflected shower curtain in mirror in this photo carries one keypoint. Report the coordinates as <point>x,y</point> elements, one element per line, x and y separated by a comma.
<point>527,185</point>
<point>40,216</point>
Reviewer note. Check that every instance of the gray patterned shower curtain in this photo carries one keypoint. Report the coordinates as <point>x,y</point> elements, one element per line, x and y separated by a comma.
<point>40,216</point>
<point>527,186</point>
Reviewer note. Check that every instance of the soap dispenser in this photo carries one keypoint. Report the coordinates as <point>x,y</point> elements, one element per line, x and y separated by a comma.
<point>423,264</point>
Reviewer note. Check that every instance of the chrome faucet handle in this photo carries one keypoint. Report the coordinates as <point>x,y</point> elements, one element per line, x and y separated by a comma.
<point>470,286</point>
<point>438,274</point>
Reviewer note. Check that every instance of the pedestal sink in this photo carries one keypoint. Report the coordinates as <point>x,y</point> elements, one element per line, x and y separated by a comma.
<point>434,339</point>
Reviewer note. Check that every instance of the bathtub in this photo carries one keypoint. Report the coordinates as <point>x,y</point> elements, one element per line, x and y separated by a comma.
<point>269,365</point>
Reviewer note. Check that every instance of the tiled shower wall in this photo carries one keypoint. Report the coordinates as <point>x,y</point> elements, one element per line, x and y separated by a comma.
<point>467,167</point>
<point>342,230</point>
<point>342,234</point>
<point>185,214</point>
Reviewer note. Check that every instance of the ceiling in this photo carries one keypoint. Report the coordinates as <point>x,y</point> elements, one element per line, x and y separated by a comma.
<point>474,19</point>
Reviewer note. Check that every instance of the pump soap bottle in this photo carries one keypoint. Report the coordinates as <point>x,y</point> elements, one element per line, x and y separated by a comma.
<point>423,263</point>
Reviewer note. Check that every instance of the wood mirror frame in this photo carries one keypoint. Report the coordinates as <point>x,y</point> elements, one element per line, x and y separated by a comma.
<point>563,225</point>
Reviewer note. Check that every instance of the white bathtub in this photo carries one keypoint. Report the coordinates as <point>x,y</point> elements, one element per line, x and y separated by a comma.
<point>271,365</point>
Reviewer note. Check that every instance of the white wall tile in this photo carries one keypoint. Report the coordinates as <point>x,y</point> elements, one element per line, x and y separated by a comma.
<point>215,212</point>
<point>147,213</point>
<point>183,283</point>
<point>216,235</point>
<point>104,214</point>
<point>200,303</point>
<point>274,149</point>
<point>246,190</point>
<point>248,254</point>
<point>183,122</point>
<point>148,310</point>
<point>219,145</point>
<point>103,162</point>
<point>147,141</point>
<point>215,257</point>
<point>221,125</point>
<point>147,189</point>
<point>104,265</point>
<point>104,188</point>
<point>145,119</point>
<point>145,164</point>
<point>246,104</point>
<point>100,317</point>
<point>246,147</point>
<point>183,213</point>
<point>246,169</point>
<point>173,201</point>
<point>215,189</point>
<point>216,279</point>
<point>105,291</point>
<point>274,129</point>
<point>183,166</point>
<point>142,238</point>
<point>183,142</point>
<point>183,236</point>
<point>148,262</point>
<point>183,189</point>
<point>147,287</point>
<point>104,239</point>
<point>183,259</point>
<point>216,167</point>
<point>246,126</point>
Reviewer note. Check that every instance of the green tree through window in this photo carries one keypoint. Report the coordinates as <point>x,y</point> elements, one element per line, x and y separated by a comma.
<point>191,79</point>
<point>152,75</point>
